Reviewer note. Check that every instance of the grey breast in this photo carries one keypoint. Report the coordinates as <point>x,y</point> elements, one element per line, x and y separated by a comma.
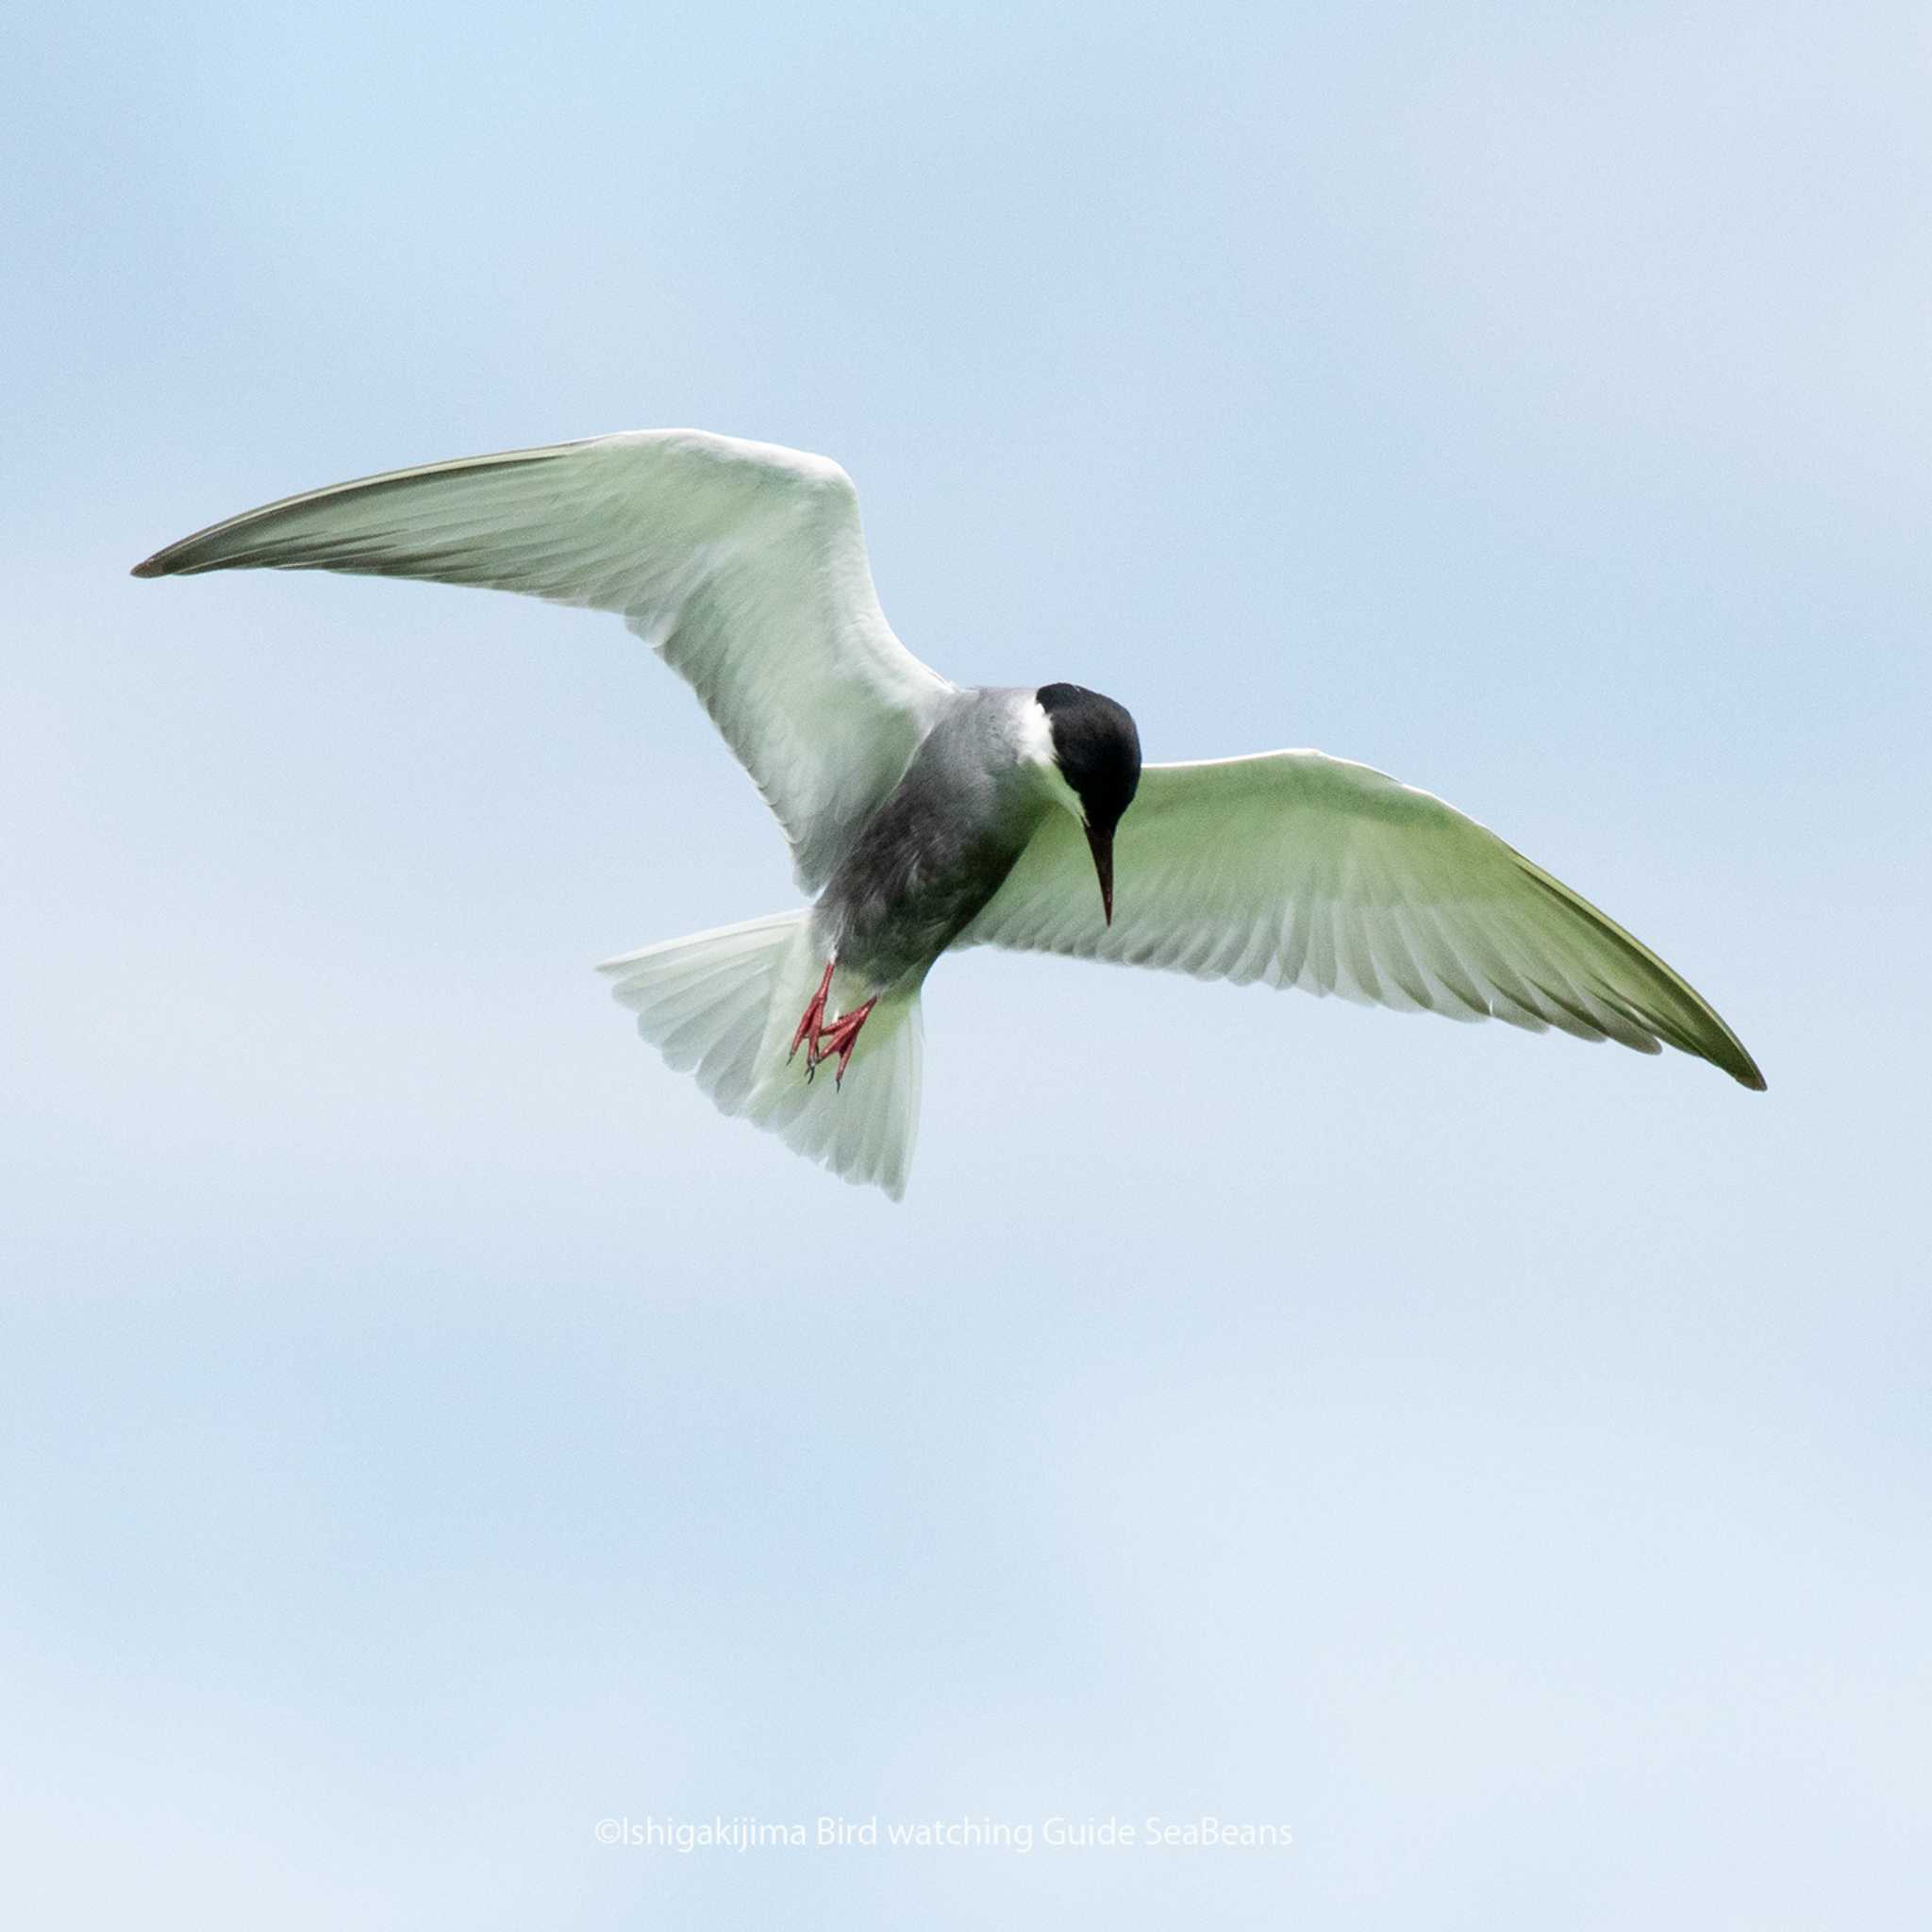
<point>939,846</point>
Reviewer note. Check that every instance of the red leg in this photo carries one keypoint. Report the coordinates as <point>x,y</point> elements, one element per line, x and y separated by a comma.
<point>821,1039</point>
<point>814,1020</point>
<point>841,1036</point>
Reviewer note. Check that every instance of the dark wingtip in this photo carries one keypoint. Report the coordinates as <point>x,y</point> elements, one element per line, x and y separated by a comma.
<point>1738,1064</point>
<point>153,567</point>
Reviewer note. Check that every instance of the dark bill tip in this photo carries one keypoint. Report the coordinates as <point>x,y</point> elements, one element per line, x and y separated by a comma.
<point>1100,842</point>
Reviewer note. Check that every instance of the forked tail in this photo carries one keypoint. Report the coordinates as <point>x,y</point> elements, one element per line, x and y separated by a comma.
<point>722,1006</point>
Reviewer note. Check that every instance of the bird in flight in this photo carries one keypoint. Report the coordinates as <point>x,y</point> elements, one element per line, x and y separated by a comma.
<point>925,816</point>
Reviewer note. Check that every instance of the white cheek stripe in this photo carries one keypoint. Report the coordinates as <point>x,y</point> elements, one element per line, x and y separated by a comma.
<point>1035,733</point>
<point>1035,747</point>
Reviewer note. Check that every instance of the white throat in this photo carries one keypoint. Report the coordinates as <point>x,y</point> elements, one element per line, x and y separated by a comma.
<point>1036,749</point>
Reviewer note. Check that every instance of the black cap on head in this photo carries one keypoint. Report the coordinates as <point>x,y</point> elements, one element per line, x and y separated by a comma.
<point>1098,747</point>
<point>1098,751</point>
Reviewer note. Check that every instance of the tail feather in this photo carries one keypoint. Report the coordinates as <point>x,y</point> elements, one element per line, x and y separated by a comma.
<point>722,1006</point>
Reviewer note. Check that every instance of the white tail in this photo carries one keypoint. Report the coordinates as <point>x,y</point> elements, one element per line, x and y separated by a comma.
<point>722,1006</point>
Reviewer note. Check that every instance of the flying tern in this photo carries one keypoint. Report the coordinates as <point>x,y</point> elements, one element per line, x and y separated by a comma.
<point>925,816</point>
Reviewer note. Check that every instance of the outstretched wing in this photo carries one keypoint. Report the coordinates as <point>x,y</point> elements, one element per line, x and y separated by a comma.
<point>741,564</point>
<point>1308,871</point>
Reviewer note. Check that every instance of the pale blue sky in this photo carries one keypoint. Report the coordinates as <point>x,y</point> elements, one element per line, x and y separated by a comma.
<point>431,1430</point>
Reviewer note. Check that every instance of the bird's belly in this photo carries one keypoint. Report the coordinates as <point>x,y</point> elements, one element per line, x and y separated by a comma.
<point>890,914</point>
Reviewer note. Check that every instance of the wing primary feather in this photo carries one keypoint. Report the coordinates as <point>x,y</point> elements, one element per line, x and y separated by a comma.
<point>1311,872</point>
<point>743,564</point>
